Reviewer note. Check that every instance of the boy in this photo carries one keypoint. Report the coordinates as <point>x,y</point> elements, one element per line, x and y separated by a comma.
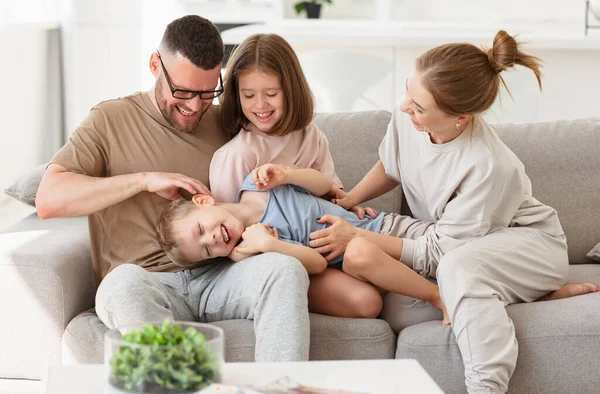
<point>277,209</point>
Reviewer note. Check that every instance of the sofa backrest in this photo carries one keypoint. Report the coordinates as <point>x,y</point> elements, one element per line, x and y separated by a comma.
<point>561,159</point>
<point>354,139</point>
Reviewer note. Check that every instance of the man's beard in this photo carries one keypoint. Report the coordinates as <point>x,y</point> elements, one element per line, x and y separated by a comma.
<point>170,112</point>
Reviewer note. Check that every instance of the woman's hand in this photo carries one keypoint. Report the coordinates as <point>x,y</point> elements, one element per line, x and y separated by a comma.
<point>256,239</point>
<point>269,176</point>
<point>332,241</point>
<point>345,201</point>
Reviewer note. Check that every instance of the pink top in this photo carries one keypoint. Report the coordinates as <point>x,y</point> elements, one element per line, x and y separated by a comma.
<point>307,148</point>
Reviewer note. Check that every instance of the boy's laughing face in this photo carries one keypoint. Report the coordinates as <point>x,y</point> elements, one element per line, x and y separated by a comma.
<point>207,232</point>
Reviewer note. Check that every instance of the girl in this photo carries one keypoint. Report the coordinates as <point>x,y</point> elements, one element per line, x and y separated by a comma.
<point>492,243</point>
<point>268,107</point>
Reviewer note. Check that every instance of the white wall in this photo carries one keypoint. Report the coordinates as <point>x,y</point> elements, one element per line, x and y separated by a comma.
<point>30,100</point>
<point>474,11</point>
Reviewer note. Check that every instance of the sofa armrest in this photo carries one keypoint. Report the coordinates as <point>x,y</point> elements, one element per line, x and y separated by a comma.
<point>46,279</point>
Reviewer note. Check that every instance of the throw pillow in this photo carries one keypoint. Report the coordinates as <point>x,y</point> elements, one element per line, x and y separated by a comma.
<point>25,188</point>
<point>594,254</point>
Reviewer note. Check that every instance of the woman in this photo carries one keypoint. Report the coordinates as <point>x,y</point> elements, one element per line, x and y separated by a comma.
<point>492,243</point>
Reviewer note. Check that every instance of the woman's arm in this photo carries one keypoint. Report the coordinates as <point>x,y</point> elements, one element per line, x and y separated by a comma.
<point>373,185</point>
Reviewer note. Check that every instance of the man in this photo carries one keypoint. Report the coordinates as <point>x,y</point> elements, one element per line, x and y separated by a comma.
<point>126,161</point>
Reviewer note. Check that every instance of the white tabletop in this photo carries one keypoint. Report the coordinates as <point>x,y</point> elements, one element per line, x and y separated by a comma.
<point>368,376</point>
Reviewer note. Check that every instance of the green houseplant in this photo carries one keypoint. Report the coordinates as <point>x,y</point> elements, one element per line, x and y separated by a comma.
<point>164,358</point>
<point>312,7</point>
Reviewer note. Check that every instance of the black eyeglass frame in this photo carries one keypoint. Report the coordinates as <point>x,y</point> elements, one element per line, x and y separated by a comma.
<point>192,93</point>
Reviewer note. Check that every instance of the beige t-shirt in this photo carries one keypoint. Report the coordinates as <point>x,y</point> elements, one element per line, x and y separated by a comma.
<point>307,148</point>
<point>129,135</point>
<point>468,187</point>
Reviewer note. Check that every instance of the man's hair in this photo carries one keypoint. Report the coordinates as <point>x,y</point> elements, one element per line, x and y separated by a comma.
<point>270,54</point>
<point>165,229</point>
<point>195,38</point>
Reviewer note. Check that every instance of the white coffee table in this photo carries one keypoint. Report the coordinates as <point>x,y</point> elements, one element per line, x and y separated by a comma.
<point>369,376</point>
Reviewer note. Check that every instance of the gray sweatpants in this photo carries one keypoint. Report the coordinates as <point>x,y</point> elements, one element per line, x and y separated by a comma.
<point>477,281</point>
<point>270,289</point>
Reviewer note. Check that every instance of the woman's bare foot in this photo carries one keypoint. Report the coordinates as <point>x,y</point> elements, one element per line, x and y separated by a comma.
<point>437,302</point>
<point>570,290</point>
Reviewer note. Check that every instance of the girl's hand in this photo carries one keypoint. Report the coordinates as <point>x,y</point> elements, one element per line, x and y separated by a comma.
<point>256,239</point>
<point>332,241</point>
<point>269,176</point>
<point>345,201</point>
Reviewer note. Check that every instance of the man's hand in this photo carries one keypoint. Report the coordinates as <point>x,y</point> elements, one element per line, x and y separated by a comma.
<point>167,185</point>
<point>256,239</point>
<point>333,240</point>
<point>269,176</point>
<point>344,200</point>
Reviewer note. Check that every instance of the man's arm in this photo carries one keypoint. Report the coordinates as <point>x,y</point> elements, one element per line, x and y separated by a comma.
<point>63,193</point>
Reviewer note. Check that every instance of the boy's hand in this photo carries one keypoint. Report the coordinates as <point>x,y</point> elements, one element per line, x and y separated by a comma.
<point>256,239</point>
<point>269,176</point>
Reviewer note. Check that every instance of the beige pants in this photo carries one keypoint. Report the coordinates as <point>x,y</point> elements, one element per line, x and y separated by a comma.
<point>477,281</point>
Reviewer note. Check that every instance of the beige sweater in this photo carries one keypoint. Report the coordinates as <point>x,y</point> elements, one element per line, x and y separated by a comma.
<point>469,187</point>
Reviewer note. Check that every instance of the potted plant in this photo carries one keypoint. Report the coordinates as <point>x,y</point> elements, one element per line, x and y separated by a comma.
<point>312,7</point>
<point>172,357</point>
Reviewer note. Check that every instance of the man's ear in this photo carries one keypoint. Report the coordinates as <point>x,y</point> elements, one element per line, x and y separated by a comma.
<point>154,64</point>
<point>201,199</point>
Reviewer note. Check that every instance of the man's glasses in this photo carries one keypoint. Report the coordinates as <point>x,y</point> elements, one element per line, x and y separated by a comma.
<point>190,94</point>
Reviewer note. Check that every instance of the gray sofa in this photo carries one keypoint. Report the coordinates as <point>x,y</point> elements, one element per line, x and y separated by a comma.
<point>47,287</point>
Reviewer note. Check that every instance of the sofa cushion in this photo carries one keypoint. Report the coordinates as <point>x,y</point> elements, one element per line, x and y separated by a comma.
<point>354,140</point>
<point>562,166</point>
<point>331,339</point>
<point>549,333</point>
<point>46,279</point>
<point>594,254</point>
<point>25,188</point>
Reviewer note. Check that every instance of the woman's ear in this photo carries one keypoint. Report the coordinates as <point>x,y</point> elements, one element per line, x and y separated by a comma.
<point>462,119</point>
<point>201,199</point>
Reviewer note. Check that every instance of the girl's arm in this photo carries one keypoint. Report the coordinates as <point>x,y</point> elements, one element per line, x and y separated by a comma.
<point>270,175</point>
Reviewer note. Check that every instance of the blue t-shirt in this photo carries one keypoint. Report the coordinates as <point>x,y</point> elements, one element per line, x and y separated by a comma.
<point>293,211</point>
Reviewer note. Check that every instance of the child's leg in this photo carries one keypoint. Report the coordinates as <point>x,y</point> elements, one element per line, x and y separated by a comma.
<point>366,261</point>
<point>336,293</point>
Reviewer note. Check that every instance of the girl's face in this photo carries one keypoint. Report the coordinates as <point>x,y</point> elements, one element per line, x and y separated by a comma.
<point>261,97</point>
<point>424,113</point>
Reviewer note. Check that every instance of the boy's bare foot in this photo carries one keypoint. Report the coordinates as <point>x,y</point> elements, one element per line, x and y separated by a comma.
<point>437,302</point>
<point>570,290</point>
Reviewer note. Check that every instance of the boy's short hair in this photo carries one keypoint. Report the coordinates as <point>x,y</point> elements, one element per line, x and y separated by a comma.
<point>165,229</point>
<point>269,53</point>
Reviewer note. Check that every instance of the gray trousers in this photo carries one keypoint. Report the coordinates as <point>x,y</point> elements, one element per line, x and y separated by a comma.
<point>270,289</point>
<point>477,281</point>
